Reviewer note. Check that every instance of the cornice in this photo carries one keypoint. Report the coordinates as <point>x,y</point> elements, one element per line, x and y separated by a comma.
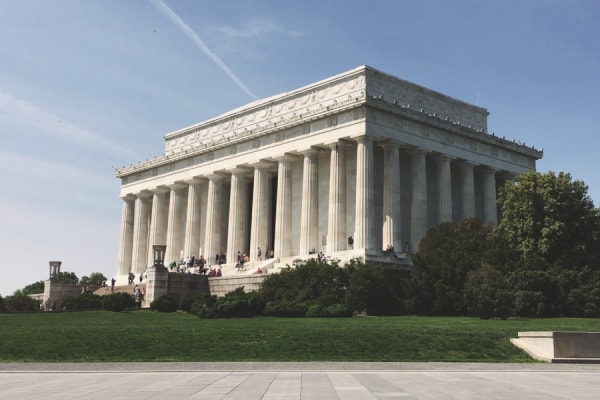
<point>421,115</point>
<point>362,86</point>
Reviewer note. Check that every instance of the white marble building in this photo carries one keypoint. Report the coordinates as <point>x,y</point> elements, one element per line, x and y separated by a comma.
<point>360,154</point>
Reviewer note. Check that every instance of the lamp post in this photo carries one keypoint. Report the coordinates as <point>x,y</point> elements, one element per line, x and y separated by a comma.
<point>159,255</point>
<point>54,269</point>
<point>157,281</point>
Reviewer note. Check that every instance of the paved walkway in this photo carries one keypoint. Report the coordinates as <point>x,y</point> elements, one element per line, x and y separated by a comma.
<point>268,381</point>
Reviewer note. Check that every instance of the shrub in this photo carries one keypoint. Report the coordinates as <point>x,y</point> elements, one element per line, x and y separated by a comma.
<point>529,303</point>
<point>487,293</point>
<point>84,301</point>
<point>202,305</point>
<point>234,304</point>
<point>118,301</point>
<point>286,309</point>
<point>337,310</point>
<point>316,310</point>
<point>164,304</point>
<point>185,303</point>
<point>21,302</point>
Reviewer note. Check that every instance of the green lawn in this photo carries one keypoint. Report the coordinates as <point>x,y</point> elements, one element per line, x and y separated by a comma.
<point>152,336</point>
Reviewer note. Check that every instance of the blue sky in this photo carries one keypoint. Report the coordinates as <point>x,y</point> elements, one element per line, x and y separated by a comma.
<point>88,86</point>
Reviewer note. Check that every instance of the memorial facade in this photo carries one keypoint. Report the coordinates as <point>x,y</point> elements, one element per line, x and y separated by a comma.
<point>362,154</point>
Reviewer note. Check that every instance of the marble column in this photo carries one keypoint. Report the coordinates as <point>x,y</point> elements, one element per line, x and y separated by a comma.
<point>283,209</point>
<point>468,190</point>
<point>158,220</point>
<point>490,210</point>
<point>126,243</point>
<point>336,223</point>
<point>444,185</point>
<point>363,227</point>
<point>418,208</point>
<point>212,236</point>
<point>391,196</point>
<point>309,223</point>
<point>175,223</point>
<point>192,224</point>
<point>259,227</point>
<point>141,224</point>
<point>238,214</point>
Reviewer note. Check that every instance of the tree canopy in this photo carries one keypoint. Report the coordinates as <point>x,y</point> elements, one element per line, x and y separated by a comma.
<point>550,218</point>
<point>95,278</point>
<point>542,260</point>
<point>34,288</point>
<point>446,255</point>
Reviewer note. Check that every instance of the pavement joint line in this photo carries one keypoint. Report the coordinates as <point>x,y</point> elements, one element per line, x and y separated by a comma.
<point>355,367</point>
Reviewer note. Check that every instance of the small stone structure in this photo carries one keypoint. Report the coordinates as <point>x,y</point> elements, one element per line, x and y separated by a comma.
<point>161,282</point>
<point>560,347</point>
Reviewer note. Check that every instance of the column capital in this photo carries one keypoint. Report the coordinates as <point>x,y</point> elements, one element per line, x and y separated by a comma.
<point>362,138</point>
<point>216,176</point>
<point>287,157</point>
<point>144,194</point>
<point>417,150</point>
<point>468,163</point>
<point>195,181</point>
<point>262,164</point>
<point>390,143</point>
<point>337,143</point>
<point>177,186</point>
<point>160,190</point>
<point>487,168</point>
<point>129,197</point>
<point>443,157</point>
<point>239,171</point>
<point>312,150</point>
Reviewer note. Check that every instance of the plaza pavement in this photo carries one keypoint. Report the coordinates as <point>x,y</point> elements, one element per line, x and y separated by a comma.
<point>301,381</point>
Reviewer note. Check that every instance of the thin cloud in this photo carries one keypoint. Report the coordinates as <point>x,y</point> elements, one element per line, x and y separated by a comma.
<point>22,112</point>
<point>31,169</point>
<point>254,28</point>
<point>167,12</point>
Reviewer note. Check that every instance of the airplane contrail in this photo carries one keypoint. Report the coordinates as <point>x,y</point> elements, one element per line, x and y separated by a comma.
<point>189,32</point>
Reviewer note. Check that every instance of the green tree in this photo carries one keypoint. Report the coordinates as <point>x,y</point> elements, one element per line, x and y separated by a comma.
<point>488,294</point>
<point>446,255</point>
<point>83,301</point>
<point>68,277</point>
<point>325,289</point>
<point>118,301</point>
<point>309,280</point>
<point>550,217</point>
<point>20,302</point>
<point>370,290</point>
<point>95,278</point>
<point>550,222</point>
<point>34,288</point>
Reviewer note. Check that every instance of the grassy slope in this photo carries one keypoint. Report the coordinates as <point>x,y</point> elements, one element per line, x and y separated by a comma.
<point>148,336</point>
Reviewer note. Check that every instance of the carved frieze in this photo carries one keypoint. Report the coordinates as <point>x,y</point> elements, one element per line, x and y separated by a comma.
<point>287,110</point>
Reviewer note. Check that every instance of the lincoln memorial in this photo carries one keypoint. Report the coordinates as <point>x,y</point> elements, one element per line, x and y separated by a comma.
<point>362,154</point>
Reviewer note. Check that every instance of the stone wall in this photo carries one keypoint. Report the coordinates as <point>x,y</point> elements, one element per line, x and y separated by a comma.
<point>181,285</point>
<point>54,292</point>
<point>222,286</point>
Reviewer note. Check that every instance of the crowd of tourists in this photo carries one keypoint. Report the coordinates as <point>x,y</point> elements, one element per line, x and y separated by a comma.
<point>193,265</point>
<point>200,265</point>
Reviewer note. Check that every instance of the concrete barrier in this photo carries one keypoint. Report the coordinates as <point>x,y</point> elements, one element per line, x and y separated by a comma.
<point>556,347</point>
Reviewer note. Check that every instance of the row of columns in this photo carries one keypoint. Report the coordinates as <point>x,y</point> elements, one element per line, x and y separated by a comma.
<point>152,218</point>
